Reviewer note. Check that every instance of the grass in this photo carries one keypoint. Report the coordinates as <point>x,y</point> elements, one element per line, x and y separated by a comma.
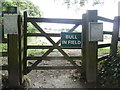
<point>35,51</point>
<point>103,51</point>
<point>3,47</point>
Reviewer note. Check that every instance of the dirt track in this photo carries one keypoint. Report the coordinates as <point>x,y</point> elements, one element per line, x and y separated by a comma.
<point>57,78</point>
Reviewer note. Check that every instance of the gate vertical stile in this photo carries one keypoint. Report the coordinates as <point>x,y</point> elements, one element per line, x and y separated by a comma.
<point>25,43</point>
<point>15,61</point>
<point>84,43</point>
<point>20,37</point>
<point>115,36</point>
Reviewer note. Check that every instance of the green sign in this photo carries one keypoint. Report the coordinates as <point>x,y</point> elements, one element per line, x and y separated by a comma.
<point>71,39</point>
<point>11,9</point>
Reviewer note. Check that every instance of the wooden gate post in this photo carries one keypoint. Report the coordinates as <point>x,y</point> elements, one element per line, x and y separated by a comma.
<point>115,36</point>
<point>25,44</point>
<point>13,61</point>
<point>15,57</point>
<point>91,49</point>
<point>84,43</point>
<point>21,48</point>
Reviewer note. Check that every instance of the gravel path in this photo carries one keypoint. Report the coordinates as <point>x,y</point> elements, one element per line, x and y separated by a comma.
<point>55,78</point>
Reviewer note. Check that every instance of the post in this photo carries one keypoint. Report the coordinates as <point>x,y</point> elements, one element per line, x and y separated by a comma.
<point>13,61</point>
<point>0,40</point>
<point>91,50</point>
<point>84,43</point>
<point>25,43</point>
<point>21,48</point>
<point>115,36</point>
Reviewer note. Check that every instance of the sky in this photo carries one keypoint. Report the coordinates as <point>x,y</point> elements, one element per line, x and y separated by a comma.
<point>56,10</point>
<point>51,9</point>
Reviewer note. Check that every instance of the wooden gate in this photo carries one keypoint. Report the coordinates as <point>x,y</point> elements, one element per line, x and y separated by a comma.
<point>48,36</point>
<point>89,50</point>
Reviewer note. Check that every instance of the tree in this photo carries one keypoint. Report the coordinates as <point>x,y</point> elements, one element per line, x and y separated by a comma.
<point>81,3</point>
<point>32,10</point>
<point>78,5</point>
<point>25,5</point>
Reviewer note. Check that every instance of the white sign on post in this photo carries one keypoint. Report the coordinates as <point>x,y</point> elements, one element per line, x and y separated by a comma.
<point>119,33</point>
<point>119,15</point>
<point>10,24</point>
<point>95,31</point>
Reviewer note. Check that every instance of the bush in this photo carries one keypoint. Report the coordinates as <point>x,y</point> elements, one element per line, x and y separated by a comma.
<point>109,73</point>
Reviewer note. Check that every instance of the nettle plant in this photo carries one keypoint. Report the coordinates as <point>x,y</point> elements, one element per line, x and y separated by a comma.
<point>109,73</point>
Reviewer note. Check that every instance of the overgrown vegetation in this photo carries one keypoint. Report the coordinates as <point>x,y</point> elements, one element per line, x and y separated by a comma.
<point>32,10</point>
<point>109,71</point>
<point>80,3</point>
<point>25,5</point>
<point>3,47</point>
<point>35,51</point>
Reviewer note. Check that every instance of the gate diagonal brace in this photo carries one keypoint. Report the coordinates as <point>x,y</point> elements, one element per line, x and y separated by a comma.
<point>55,45</point>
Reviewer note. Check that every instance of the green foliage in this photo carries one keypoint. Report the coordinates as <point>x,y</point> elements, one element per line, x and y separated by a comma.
<point>103,51</point>
<point>118,50</point>
<point>96,2</point>
<point>109,70</point>
<point>32,10</point>
<point>4,81</point>
<point>28,6</point>
<point>109,73</point>
<point>81,3</point>
<point>31,29</point>
<point>3,47</point>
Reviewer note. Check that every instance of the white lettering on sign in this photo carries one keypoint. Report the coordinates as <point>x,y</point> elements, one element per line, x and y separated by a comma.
<point>71,37</point>
<point>64,42</point>
<point>71,42</point>
<point>79,42</point>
